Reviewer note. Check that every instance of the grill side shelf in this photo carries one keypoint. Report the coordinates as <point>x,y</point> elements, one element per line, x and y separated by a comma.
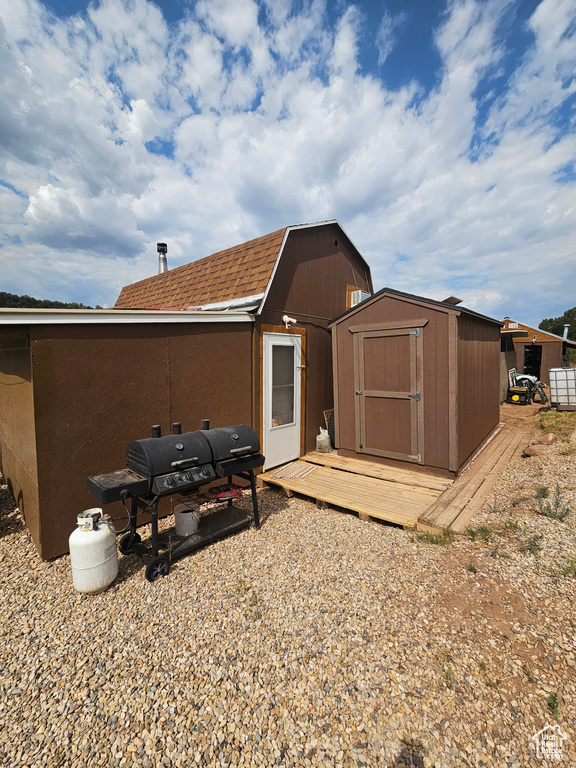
<point>111,486</point>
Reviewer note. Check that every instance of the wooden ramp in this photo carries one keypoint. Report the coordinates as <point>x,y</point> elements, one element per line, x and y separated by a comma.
<point>458,505</point>
<point>386,496</point>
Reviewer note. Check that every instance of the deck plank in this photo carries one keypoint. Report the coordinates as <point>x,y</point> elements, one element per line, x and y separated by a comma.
<point>405,497</point>
<point>456,508</point>
<point>380,471</point>
<point>385,500</point>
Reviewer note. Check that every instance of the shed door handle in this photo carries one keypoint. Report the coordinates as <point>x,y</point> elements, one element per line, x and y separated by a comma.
<point>358,391</point>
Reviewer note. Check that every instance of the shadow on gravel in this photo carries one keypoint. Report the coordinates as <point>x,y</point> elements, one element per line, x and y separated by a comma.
<point>11,520</point>
<point>411,754</point>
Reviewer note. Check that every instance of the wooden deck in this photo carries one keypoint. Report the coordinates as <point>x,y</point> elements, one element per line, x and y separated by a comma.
<point>458,505</point>
<point>405,497</point>
<point>371,490</point>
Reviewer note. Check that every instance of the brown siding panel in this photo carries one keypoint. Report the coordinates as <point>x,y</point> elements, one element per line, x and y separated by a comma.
<point>17,437</point>
<point>478,383</point>
<point>97,388</point>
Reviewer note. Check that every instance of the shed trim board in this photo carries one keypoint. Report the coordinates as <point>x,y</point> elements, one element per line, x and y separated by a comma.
<point>453,393</point>
<point>388,326</point>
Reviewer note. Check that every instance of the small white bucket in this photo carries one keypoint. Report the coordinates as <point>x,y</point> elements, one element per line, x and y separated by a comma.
<point>186,519</point>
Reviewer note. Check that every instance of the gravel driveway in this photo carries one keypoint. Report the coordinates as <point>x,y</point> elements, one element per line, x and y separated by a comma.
<point>318,640</point>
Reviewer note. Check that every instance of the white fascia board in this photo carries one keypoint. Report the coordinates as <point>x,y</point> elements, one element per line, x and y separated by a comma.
<point>245,303</point>
<point>280,252</point>
<point>116,317</point>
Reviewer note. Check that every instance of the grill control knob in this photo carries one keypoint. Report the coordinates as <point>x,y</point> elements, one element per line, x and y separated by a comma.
<point>187,475</point>
<point>204,471</point>
<point>169,481</point>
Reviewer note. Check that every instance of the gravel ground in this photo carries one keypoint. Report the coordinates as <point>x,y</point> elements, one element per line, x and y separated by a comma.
<point>318,640</point>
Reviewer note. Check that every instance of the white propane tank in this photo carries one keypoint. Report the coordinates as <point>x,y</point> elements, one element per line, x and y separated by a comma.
<point>186,519</point>
<point>93,554</point>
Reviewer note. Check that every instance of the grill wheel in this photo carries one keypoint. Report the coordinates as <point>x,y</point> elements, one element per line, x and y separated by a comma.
<point>157,568</point>
<point>126,545</point>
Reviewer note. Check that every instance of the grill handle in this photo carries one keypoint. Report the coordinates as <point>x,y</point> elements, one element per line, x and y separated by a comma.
<point>184,463</point>
<point>243,449</point>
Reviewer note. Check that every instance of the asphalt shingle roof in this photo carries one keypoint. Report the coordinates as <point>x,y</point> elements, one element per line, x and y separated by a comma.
<point>234,273</point>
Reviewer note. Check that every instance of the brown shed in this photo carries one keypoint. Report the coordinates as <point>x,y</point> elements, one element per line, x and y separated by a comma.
<point>415,380</point>
<point>536,351</point>
<point>77,386</point>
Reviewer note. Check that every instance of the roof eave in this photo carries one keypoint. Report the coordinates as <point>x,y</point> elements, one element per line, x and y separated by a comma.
<point>117,317</point>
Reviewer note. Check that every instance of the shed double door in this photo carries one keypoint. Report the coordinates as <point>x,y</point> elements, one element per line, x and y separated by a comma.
<point>389,397</point>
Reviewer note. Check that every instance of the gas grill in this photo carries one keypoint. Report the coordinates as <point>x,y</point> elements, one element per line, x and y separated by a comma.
<point>180,463</point>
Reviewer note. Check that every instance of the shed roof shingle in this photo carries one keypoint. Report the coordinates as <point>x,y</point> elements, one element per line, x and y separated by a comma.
<point>234,273</point>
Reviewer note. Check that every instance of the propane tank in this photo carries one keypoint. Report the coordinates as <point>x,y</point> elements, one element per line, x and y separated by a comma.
<point>93,554</point>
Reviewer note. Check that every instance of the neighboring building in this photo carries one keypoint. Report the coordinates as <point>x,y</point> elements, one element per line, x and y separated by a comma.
<point>536,351</point>
<point>416,381</point>
<point>77,386</point>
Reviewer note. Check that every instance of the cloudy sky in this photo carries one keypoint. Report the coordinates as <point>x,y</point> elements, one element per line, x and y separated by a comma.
<point>441,135</point>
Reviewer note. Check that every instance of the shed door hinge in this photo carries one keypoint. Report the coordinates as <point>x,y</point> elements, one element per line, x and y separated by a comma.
<point>415,332</point>
<point>416,396</point>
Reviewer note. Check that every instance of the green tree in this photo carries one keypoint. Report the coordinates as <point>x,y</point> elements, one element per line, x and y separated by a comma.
<point>14,301</point>
<point>556,325</point>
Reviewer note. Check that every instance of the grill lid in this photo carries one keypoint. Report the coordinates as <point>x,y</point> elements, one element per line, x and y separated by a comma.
<point>162,455</point>
<point>234,442</point>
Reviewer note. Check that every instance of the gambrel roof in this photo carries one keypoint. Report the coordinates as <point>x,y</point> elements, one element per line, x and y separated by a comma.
<point>236,278</point>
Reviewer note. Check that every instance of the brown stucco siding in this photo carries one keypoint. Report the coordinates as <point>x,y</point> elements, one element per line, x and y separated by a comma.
<point>478,383</point>
<point>17,438</point>
<point>97,388</point>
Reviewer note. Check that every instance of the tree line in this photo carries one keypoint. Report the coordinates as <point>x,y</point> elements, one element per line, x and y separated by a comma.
<point>14,301</point>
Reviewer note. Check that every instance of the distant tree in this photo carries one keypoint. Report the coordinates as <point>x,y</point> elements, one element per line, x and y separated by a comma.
<point>14,301</point>
<point>556,325</point>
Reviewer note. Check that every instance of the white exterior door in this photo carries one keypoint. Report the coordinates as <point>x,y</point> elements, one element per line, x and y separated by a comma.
<point>282,366</point>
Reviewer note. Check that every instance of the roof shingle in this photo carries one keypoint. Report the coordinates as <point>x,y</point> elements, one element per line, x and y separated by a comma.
<point>234,273</point>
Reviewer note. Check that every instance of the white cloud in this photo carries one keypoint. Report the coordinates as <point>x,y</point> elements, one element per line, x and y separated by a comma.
<point>386,35</point>
<point>268,124</point>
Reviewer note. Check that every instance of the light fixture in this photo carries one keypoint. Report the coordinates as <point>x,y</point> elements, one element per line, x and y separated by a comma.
<point>288,321</point>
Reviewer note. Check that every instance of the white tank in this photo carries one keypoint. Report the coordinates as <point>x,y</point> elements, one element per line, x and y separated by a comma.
<point>93,553</point>
<point>186,519</point>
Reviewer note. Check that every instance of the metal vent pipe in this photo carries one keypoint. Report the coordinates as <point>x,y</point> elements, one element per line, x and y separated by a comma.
<point>162,249</point>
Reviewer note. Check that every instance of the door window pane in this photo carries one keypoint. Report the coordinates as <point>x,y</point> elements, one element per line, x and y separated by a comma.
<point>282,385</point>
